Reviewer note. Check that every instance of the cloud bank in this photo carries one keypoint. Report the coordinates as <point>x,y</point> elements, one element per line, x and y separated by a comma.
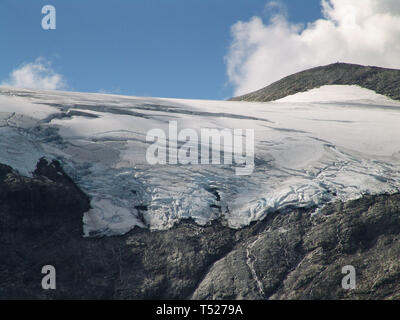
<point>36,75</point>
<point>353,31</point>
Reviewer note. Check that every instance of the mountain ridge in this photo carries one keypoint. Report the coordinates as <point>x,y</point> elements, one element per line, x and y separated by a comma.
<point>381,80</point>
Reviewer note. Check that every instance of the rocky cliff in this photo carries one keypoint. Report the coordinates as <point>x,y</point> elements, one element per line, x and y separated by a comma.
<point>289,255</point>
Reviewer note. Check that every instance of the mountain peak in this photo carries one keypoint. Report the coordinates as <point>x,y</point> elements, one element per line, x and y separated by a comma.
<point>381,80</point>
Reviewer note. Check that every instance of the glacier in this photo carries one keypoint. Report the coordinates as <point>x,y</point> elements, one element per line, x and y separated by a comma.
<point>311,148</point>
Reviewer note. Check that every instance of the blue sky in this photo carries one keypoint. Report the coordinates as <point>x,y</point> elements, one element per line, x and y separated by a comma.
<point>165,48</point>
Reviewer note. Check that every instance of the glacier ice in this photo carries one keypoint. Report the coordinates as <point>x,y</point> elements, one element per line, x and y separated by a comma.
<point>335,142</point>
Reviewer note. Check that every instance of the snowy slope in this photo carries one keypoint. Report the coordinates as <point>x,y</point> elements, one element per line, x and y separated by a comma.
<point>335,142</point>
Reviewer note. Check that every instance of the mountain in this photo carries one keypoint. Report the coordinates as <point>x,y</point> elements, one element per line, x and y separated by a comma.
<point>382,81</point>
<point>317,191</point>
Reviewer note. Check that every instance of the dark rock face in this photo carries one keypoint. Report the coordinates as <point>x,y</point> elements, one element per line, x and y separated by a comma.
<point>381,80</point>
<point>296,256</point>
<point>292,255</point>
<point>41,224</point>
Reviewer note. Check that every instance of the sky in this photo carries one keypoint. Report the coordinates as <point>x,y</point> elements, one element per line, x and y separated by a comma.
<point>199,49</point>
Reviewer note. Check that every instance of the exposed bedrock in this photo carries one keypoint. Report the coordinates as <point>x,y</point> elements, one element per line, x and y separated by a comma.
<point>294,255</point>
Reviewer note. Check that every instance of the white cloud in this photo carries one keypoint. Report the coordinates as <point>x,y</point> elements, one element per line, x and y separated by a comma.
<point>36,75</point>
<point>354,31</point>
<point>275,8</point>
